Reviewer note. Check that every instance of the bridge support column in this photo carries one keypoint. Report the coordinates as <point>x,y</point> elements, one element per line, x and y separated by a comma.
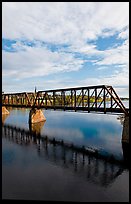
<point>36,116</point>
<point>4,111</point>
<point>125,133</point>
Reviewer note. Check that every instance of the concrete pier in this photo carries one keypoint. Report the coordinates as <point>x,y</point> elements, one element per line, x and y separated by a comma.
<point>36,116</point>
<point>125,133</point>
<point>36,127</point>
<point>4,111</point>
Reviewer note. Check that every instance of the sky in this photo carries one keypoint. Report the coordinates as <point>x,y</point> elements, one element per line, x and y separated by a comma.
<point>50,45</point>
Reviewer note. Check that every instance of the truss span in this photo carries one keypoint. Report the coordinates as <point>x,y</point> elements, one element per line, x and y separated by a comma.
<point>102,98</point>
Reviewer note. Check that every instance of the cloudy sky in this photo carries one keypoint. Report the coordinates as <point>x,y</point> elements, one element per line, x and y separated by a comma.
<point>65,44</point>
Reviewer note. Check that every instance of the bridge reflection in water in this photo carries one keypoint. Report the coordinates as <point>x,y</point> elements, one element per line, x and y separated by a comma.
<point>84,161</point>
<point>4,116</point>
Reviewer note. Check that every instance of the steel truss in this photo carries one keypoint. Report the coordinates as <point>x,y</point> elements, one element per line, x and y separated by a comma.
<point>101,98</point>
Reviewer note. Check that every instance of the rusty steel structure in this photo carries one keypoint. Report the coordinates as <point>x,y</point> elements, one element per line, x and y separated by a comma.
<point>102,98</point>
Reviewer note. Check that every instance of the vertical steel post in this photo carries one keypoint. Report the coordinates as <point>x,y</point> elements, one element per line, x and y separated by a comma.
<point>88,100</point>
<point>95,97</point>
<point>12,99</point>
<point>64,99</point>
<point>104,99</point>
<point>71,98</point>
<point>75,99</point>
<point>25,100</point>
<point>82,98</point>
<point>45,99</point>
<point>38,101</point>
<point>54,99</point>
<point>111,99</point>
<point>61,99</point>
<point>8,99</point>
<point>21,100</point>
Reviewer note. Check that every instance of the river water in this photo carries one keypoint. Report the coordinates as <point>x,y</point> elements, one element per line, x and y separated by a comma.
<point>32,172</point>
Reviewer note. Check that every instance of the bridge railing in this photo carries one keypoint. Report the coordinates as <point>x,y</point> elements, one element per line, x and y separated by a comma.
<point>92,98</point>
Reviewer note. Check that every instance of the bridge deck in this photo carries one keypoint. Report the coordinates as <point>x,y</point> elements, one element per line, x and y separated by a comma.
<point>84,109</point>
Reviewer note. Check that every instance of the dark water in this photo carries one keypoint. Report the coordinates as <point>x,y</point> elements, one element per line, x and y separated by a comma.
<point>33,170</point>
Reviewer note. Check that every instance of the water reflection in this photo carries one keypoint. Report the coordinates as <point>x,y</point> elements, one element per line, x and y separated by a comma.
<point>87,163</point>
<point>4,116</point>
<point>103,132</point>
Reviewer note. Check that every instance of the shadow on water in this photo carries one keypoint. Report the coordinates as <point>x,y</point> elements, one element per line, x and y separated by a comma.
<point>85,161</point>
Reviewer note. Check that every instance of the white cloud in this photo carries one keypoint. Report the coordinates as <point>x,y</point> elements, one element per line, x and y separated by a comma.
<point>119,55</point>
<point>37,61</point>
<point>124,34</point>
<point>71,23</point>
<point>62,22</point>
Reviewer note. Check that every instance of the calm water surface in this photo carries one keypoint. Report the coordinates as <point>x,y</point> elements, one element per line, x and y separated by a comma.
<point>38,172</point>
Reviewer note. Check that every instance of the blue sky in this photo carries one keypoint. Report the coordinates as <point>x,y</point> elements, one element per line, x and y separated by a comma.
<point>65,44</point>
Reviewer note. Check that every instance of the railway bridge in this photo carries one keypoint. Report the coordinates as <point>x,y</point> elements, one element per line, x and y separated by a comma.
<point>101,98</point>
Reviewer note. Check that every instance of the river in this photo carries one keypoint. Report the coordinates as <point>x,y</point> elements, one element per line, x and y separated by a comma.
<point>29,173</point>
